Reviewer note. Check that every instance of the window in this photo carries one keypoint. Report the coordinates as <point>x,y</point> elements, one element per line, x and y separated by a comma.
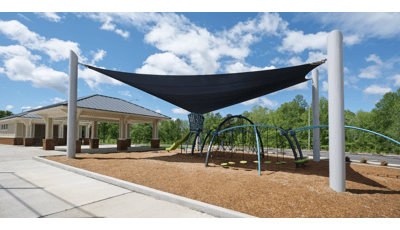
<point>4,127</point>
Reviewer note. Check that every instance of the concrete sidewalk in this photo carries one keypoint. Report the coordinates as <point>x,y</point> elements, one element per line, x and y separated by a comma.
<point>30,188</point>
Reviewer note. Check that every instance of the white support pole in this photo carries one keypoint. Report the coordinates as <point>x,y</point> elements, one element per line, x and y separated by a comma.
<point>61,130</point>
<point>315,109</point>
<point>72,96</point>
<point>337,169</point>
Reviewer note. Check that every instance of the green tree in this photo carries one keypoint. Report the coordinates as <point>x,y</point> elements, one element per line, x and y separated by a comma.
<point>5,113</point>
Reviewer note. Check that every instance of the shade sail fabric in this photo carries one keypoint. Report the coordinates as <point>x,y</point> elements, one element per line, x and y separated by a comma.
<point>205,93</point>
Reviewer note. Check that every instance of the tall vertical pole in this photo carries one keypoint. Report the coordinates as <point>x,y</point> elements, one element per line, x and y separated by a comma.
<point>309,112</point>
<point>337,170</point>
<point>315,110</point>
<point>72,100</point>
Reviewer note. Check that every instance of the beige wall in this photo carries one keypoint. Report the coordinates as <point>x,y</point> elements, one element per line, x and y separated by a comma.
<point>9,132</point>
<point>20,130</point>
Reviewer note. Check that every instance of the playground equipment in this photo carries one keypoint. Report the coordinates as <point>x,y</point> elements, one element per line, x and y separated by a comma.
<point>179,142</point>
<point>205,93</point>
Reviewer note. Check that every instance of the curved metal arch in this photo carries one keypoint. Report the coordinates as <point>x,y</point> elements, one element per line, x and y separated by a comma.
<point>241,117</point>
<point>204,141</point>
<point>347,127</point>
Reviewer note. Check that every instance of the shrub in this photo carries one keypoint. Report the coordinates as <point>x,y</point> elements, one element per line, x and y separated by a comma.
<point>384,163</point>
<point>397,150</point>
<point>363,160</point>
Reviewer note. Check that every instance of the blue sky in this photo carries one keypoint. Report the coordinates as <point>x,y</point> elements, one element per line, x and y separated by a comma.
<point>34,52</point>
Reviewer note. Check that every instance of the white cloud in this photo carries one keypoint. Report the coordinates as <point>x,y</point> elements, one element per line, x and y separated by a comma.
<point>58,50</point>
<point>158,111</point>
<point>174,118</point>
<point>22,16</point>
<point>20,65</point>
<point>266,102</point>
<point>8,107</point>
<point>297,41</point>
<point>125,93</point>
<point>325,86</point>
<point>180,111</point>
<point>166,63</point>
<point>370,72</point>
<point>239,67</point>
<point>375,89</point>
<point>98,56</point>
<point>351,81</point>
<point>192,47</point>
<point>106,19</point>
<point>94,79</point>
<point>56,100</point>
<point>375,59</point>
<point>251,102</point>
<point>396,78</point>
<point>377,25</point>
<point>262,101</point>
<point>51,16</point>
<point>124,34</point>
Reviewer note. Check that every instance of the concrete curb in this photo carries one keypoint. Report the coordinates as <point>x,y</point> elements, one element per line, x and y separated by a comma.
<point>183,201</point>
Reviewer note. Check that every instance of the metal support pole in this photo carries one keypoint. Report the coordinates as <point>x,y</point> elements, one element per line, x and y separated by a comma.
<point>72,100</point>
<point>337,169</point>
<point>315,109</point>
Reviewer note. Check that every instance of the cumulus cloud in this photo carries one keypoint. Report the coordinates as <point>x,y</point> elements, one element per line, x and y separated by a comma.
<point>396,78</point>
<point>239,67</point>
<point>370,25</point>
<point>158,111</point>
<point>125,93</point>
<point>375,89</point>
<point>301,86</point>
<point>195,49</point>
<point>56,100</point>
<point>98,56</point>
<point>8,107</point>
<point>165,63</point>
<point>94,79</point>
<point>20,65</point>
<point>180,111</point>
<point>297,41</point>
<point>372,71</point>
<point>51,16</point>
<point>58,50</point>
<point>174,118</point>
<point>262,101</point>
<point>107,19</point>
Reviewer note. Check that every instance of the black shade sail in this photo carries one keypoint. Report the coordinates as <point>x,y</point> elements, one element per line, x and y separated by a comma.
<point>205,93</point>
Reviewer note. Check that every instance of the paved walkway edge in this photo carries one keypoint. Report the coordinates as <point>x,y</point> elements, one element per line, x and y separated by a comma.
<point>183,201</point>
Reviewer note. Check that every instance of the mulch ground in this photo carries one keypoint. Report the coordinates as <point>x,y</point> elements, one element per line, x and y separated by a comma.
<point>281,190</point>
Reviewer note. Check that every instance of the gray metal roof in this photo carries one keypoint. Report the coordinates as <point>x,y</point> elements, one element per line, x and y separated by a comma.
<point>24,114</point>
<point>98,102</point>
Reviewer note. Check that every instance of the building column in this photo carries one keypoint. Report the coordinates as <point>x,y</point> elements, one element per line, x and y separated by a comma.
<point>94,141</point>
<point>72,104</point>
<point>48,143</point>
<point>127,138</point>
<point>86,139</point>
<point>28,140</point>
<point>121,143</point>
<point>155,143</point>
<point>315,109</point>
<point>60,140</point>
<point>337,164</point>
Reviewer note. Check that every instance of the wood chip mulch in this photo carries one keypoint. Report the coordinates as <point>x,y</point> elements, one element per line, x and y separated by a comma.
<point>281,190</point>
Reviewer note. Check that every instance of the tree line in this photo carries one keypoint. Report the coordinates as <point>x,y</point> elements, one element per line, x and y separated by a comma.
<point>383,119</point>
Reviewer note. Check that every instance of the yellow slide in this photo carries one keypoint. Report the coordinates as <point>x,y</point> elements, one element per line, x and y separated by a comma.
<point>176,144</point>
